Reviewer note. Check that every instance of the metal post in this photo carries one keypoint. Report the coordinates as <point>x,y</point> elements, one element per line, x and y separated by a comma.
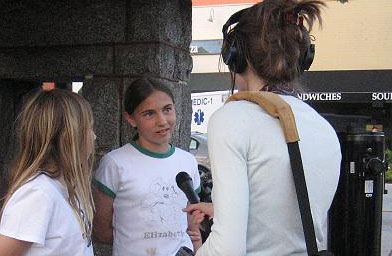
<point>356,212</point>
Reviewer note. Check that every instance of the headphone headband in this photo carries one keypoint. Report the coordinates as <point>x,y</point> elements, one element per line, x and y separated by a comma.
<point>235,18</point>
<point>233,55</point>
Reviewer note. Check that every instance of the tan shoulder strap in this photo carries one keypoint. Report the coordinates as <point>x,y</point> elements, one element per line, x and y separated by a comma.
<point>274,105</point>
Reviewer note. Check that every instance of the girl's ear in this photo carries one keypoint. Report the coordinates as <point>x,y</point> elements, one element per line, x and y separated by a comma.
<point>129,119</point>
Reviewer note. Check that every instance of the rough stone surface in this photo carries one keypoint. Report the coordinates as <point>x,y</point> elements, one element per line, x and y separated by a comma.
<point>6,130</point>
<point>127,132</point>
<point>182,96</point>
<point>73,63</point>
<point>104,98</point>
<point>65,40</point>
<point>166,20</point>
<point>61,22</point>
<point>104,43</point>
<point>12,96</point>
<point>158,59</point>
<point>55,63</point>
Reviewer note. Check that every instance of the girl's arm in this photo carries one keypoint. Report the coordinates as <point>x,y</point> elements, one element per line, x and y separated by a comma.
<point>11,246</point>
<point>102,227</point>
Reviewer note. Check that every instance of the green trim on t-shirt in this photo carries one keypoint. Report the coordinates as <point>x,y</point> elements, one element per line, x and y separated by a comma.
<point>153,154</point>
<point>104,189</point>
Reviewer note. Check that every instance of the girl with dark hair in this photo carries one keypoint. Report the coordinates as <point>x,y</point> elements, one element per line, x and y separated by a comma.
<point>137,200</point>
<point>48,208</point>
<point>255,208</point>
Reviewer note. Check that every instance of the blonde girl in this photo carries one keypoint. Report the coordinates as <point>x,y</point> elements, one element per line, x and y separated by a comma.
<point>48,209</point>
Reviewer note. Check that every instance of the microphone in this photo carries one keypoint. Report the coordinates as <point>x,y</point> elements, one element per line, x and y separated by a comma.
<point>185,183</point>
<point>185,251</point>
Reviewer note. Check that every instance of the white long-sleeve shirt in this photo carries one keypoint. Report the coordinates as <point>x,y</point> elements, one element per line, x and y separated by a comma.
<point>255,205</point>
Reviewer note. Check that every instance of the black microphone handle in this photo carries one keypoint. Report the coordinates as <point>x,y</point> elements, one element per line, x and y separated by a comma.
<point>184,182</point>
<point>206,225</point>
<point>187,187</point>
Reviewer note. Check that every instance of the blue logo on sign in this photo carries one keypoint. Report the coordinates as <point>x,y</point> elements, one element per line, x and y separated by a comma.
<point>199,117</point>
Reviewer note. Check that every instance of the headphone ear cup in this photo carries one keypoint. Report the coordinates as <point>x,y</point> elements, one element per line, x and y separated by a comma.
<point>233,58</point>
<point>308,57</point>
<point>227,54</point>
<point>232,53</point>
<point>240,62</point>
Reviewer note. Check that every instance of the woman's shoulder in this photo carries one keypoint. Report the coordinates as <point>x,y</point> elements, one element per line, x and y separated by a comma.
<point>238,116</point>
<point>238,105</point>
<point>239,110</point>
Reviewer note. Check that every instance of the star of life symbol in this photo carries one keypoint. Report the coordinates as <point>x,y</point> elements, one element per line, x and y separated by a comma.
<point>199,117</point>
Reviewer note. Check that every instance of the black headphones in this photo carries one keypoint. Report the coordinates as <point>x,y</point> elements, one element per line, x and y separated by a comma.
<point>232,51</point>
<point>233,48</point>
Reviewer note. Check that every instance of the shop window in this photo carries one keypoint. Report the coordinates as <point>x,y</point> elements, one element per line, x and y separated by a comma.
<point>205,47</point>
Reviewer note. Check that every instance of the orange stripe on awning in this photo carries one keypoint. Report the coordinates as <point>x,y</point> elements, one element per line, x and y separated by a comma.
<point>221,2</point>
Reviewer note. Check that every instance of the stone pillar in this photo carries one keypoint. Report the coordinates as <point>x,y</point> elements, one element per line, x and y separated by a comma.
<point>12,94</point>
<point>104,43</point>
<point>156,41</point>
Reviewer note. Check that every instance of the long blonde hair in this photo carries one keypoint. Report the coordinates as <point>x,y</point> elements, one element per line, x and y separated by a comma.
<point>55,137</point>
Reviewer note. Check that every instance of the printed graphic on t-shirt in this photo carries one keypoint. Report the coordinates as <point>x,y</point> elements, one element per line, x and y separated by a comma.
<point>165,204</point>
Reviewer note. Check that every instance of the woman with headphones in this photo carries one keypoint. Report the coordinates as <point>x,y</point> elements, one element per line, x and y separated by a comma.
<point>255,209</point>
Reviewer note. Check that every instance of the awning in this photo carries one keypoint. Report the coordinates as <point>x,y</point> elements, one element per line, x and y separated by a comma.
<point>328,86</point>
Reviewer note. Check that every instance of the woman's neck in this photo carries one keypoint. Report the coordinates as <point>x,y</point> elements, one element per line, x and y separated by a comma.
<point>254,82</point>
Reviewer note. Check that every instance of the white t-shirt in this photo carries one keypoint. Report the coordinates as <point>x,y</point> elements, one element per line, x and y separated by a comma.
<point>147,218</point>
<point>39,212</point>
<point>255,204</point>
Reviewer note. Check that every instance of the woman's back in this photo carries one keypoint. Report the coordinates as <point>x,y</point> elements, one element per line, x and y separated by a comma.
<point>269,200</point>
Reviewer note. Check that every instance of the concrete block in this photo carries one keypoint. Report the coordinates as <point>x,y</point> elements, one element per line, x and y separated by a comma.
<point>165,20</point>
<point>72,22</point>
<point>55,64</point>
<point>104,98</point>
<point>159,59</point>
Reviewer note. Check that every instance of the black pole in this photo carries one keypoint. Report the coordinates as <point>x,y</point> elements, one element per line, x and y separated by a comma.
<point>356,213</point>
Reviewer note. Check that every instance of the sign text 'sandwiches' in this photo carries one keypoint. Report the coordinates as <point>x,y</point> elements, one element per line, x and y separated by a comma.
<point>321,96</point>
<point>346,96</point>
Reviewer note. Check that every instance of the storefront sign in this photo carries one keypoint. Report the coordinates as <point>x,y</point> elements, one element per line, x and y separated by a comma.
<point>321,96</point>
<point>347,96</point>
<point>205,47</point>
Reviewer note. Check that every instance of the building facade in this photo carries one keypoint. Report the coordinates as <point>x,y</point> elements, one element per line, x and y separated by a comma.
<point>350,80</point>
